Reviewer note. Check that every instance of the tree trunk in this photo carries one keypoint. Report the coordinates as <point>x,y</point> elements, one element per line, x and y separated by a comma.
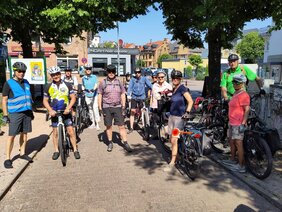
<point>26,45</point>
<point>214,42</point>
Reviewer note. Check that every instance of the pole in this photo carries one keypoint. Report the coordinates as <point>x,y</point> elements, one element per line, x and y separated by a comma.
<point>118,49</point>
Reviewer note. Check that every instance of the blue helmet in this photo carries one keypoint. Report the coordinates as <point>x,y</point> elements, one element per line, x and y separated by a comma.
<point>161,72</point>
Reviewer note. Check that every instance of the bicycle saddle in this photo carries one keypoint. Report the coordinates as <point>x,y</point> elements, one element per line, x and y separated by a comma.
<point>189,116</point>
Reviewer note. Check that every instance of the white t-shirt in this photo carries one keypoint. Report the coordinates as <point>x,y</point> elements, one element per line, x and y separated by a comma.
<point>155,92</point>
<point>72,80</point>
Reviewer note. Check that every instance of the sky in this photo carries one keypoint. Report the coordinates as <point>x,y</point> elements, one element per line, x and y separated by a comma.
<point>150,27</point>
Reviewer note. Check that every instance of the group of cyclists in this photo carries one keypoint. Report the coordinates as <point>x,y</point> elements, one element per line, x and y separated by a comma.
<point>108,98</point>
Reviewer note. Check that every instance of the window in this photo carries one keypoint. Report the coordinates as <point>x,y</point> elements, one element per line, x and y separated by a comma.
<point>71,62</point>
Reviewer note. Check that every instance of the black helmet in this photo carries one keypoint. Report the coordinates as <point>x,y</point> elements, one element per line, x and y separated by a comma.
<point>19,66</point>
<point>111,68</point>
<point>127,74</point>
<point>233,57</point>
<point>176,74</point>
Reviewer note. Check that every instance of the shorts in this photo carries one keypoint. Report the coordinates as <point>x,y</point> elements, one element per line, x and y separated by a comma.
<point>136,103</point>
<point>233,133</point>
<point>66,118</point>
<point>175,122</point>
<point>113,113</point>
<point>20,123</point>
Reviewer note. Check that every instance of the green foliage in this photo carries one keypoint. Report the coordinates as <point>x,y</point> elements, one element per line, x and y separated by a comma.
<point>55,21</point>
<point>189,72</point>
<point>195,60</point>
<point>201,73</point>
<point>251,47</point>
<point>140,63</point>
<point>1,116</point>
<point>163,57</point>
<point>108,45</point>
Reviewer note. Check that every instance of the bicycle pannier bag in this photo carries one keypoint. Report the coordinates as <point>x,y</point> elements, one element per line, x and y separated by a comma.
<point>273,140</point>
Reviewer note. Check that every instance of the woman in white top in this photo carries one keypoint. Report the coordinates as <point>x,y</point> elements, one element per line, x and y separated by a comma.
<point>158,87</point>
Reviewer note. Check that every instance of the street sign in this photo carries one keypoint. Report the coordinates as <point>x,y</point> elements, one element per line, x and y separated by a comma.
<point>84,60</point>
<point>120,42</point>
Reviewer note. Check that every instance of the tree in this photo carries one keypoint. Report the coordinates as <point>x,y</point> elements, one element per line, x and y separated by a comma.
<point>163,57</point>
<point>189,20</point>
<point>251,47</point>
<point>140,63</point>
<point>54,21</point>
<point>108,44</point>
<point>195,60</point>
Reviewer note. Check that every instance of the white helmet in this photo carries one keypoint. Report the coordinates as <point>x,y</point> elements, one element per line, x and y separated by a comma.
<point>54,70</point>
<point>88,66</point>
<point>239,78</point>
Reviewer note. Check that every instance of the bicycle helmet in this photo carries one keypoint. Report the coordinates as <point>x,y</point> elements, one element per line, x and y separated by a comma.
<point>88,66</point>
<point>233,57</point>
<point>239,78</point>
<point>154,74</point>
<point>127,74</point>
<point>54,70</point>
<point>19,66</point>
<point>160,72</point>
<point>111,68</point>
<point>176,74</point>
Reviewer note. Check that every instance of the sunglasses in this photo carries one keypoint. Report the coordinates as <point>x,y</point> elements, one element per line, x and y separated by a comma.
<point>160,77</point>
<point>111,72</point>
<point>137,72</point>
<point>176,78</point>
<point>154,77</point>
<point>55,74</point>
<point>237,83</point>
<point>21,71</point>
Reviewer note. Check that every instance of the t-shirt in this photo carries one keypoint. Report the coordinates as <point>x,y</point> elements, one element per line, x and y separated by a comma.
<point>89,83</point>
<point>58,95</point>
<point>155,92</point>
<point>178,101</point>
<point>7,91</point>
<point>72,80</point>
<point>227,77</point>
<point>236,108</point>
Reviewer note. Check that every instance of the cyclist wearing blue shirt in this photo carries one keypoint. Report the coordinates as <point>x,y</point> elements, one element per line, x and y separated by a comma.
<point>90,84</point>
<point>178,109</point>
<point>137,92</point>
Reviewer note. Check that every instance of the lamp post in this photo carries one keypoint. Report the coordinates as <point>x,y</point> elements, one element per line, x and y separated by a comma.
<point>118,49</point>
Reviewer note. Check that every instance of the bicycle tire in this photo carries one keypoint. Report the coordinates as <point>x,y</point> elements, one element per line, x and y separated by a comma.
<point>163,138</point>
<point>219,142</point>
<point>191,166</point>
<point>62,147</point>
<point>256,152</point>
<point>146,135</point>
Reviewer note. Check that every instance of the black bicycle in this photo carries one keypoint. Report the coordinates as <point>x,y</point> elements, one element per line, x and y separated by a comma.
<point>190,146</point>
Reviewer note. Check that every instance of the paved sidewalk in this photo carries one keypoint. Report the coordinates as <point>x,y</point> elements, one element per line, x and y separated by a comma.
<point>270,188</point>
<point>36,140</point>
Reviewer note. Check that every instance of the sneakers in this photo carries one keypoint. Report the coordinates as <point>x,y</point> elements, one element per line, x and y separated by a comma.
<point>8,164</point>
<point>130,131</point>
<point>169,168</point>
<point>110,147</point>
<point>229,162</point>
<point>76,155</point>
<point>55,155</point>
<point>25,157</point>
<point>127,147</point>
<point>238,168</point>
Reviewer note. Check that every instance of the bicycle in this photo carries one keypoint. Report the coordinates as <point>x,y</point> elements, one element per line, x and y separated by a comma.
<point>190,146</point>
<point>142,114</point>
<point>81,119</point>
<point>64,143</point>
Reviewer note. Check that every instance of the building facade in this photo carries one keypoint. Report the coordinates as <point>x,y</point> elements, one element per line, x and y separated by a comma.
<point>150,52</point>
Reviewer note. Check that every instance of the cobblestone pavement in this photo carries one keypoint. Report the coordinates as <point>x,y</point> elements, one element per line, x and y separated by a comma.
<point>119,181</point>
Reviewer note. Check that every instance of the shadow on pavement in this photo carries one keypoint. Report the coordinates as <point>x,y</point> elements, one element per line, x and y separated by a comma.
<point>243,208</point>
<point>116,138</point>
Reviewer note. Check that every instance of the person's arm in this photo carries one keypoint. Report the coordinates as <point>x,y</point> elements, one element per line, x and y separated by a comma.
<point>75,83</point>
<point>99,101</point>
<point>224,93</point>
<point>4,105</point>
<point>129,89</point>
<point>223,84</point>
<point>46,104</point>
<point>189,99</point>
<point>246,114</point>
<point>148,83</point>
<point>96,83</point>
<point>259,83</point>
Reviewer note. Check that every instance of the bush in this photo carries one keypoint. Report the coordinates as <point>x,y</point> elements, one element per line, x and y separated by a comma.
<point>189,72</point>
<point>201,73</point>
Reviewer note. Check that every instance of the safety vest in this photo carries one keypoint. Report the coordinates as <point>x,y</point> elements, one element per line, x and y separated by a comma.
<point>22,97</point>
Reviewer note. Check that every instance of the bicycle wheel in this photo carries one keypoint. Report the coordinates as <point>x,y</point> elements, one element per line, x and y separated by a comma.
<point>163,138</point>
<point>219,143</point>
<point>189,158</point>
<point>258,156</point>
<point>146,135</point>
<point>62,146</point>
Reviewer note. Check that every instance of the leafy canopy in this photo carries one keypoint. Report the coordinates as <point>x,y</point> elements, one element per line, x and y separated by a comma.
<point>251,47</point>
<point>163,57</point>
<point>195,60</point>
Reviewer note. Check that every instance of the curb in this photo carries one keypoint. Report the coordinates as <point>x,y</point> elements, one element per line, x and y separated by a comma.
<point>20,171</point>
<point>270,198</point>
